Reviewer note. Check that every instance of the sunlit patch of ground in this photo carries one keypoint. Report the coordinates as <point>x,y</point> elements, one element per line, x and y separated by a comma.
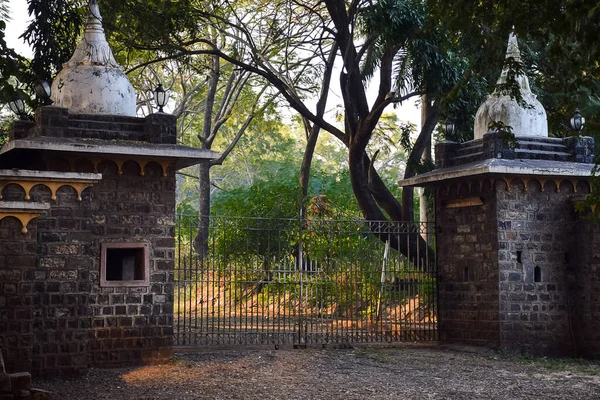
<point>410,372</point>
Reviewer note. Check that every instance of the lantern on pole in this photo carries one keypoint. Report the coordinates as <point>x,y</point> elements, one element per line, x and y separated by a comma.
<point>161,96</point>
<point>577,121</point>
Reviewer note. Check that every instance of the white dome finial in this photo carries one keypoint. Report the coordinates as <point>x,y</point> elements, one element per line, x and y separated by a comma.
<point>513,54</point>
<point>501,107</point>
<point>92,82</point>
<point>93,48</point>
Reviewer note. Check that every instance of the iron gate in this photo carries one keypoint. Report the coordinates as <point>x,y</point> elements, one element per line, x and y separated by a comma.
<point>301,282</point>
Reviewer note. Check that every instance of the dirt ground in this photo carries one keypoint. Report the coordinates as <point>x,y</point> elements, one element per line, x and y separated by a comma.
<point>399,372</point>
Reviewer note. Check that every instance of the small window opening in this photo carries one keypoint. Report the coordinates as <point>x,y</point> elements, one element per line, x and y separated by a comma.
<point>537,274</point>
<point>466,274</point>
<point>567,257</point>
<point>124,264</point>
<point>519,253</point>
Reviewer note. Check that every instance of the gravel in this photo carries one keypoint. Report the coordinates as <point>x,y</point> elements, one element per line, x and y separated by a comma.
<point>399,372</point>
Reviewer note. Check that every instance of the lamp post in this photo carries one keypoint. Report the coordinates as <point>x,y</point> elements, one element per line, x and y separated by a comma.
<point>17,105</point>
<point>43,91</point>
<point>161,96</point>
<point>577,121</point>
<point>448,129</point>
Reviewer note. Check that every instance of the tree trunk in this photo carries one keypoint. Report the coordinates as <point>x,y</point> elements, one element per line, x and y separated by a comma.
<point>201,239</point>
<point>309,152</point>
<point>423,141</point>
<point>314,130</point>
<point>424,216</point>
<point>411,244</point>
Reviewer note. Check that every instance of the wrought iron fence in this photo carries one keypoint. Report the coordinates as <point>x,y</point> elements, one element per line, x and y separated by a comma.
<point>300,282</point>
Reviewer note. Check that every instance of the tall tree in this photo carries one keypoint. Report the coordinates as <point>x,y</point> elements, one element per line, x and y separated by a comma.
<point>294,46</point>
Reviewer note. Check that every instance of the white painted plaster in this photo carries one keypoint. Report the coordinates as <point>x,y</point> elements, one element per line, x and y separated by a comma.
<point>530,121</point>
<point>25,174</point>
<point>92,82</point>
<point>502,167</point>
<point>23,206</point>
<point>182,156</point>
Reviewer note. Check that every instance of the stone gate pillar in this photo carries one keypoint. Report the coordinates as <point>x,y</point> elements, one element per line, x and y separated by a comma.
<point>516,269</point>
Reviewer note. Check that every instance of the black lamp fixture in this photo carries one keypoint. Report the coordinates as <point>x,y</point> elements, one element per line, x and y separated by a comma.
<point>43,91</point>
<point>448,129</point>
<point>577,121</point>
<point>161,96</point>
<point>17,105</point>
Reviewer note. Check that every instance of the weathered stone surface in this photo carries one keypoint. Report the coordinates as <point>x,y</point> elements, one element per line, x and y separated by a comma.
<point>20,381</point>
<point>40,394</point>
<point>92,81</point>
<point>5,383</point>
<point>23,394</point>
<point>20,129</point>
<point>526,120</point>
<point>517,271</point>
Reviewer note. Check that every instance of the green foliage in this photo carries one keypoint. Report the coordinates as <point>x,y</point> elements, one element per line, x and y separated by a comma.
<point>4,124</point>
<point>559,48</point>
<point>52,34</point>
<point>425,58</point>
<point>506,133</point>
<point>428,290</point>
<point>272,197</point>
<point>13,70</point>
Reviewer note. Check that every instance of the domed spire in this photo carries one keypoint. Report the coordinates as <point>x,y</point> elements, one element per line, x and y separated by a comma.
<point>513,54</point>
<point>94,48</point>
<point>92,82</point>
<point>501,107</point>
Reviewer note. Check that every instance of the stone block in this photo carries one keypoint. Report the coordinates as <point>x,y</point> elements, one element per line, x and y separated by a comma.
<point>5,383</point>
<point>39,394</point>
<point>445,152</point>
<point>20,129</point>
<point>20,381</point>
<point>23,394</point>
<point>161,128</point>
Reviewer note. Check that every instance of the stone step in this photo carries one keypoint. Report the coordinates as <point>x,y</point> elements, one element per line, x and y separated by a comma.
<point>465,152</point>
<point>106,125</point>
<point>542,146</point>
<point>472,144</point>
<point>467,158</point>
<point>537,139</point>
<point>542,155</point>
<point>107,134</point>
<point>106,118</point>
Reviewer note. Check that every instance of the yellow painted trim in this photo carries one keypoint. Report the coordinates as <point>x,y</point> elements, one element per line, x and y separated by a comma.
<point>53,186</point>
<point>24,217</point>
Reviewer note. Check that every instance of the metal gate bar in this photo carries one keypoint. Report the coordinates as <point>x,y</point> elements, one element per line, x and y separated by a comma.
<point>303,282</point>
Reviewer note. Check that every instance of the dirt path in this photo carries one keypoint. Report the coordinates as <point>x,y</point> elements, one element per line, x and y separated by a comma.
<point>406,372</point>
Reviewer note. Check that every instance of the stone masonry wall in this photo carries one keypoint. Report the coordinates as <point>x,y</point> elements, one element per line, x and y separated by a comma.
<point>56,122</point>
<point>535,232</point>
<point>518,271</point>
<point>133,324</point>
<point>584,286</point>
<point>62,283</point>
<point>56,319</point>
<point>467,261</point>
<point>17,270</point>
